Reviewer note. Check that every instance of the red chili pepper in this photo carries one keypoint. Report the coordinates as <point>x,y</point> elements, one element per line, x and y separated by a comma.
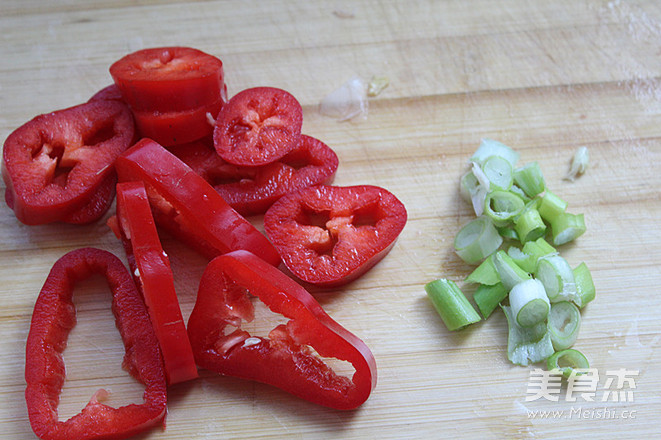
<point>56,166</point>
<point>150,266</point>
<point>330,235</point>
<point>186,205</point>
<point>258,126</point>
<point>169,79</point>
<point>286,358</point>
<point>251,190</point>
<point>54,316</point>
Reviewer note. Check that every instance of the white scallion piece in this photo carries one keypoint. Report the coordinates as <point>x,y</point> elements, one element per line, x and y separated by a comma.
<point>499,172</point>
<point>489,147</point>
<point>529,303</point>
<point>579,164</point>
<point>526,345</point>
<point>558,278</point>
<point>346,102</point>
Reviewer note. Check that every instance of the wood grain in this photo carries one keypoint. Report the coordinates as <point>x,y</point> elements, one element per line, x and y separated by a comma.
<point>543,77</point>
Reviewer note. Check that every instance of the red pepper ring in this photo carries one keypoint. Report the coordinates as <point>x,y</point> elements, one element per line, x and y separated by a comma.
<point>53,318</point>
<point>286,358</point>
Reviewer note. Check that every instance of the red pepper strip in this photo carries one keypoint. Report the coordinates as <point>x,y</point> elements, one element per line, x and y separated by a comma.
<point>251,190</point>
<point>188,206</point>
<point>54,316</point>
<point>330,235</point>
<point>54,165</point>
<point>98,204</point>
<point>153,277</point>
<point>286,357</point>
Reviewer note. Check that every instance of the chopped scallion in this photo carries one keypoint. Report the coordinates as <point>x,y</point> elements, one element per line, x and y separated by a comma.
<point>507,232</point>
<point>532,251</point>
<point>526,345</point>
<point>567,362</point>
<point>490,147</point>
<point>564,321</point>
<point>499,172</point>
<point>551,206</point>
<point>509,272</point>
<point>485,273</point>
<point>488,298</point>
<point>451,304</point>
<point>477,240</point>
<point>584,285</point>
<point>530,179</point>
<point>567,227</point>
<point>558,278</point>
<point>502,207</point>
<point>529,225</point>
<point>529,303</point>
<point>579,163</point>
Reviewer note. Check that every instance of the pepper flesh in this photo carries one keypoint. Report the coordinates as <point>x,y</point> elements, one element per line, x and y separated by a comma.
<point>187,206</point>
<point>53,318</point>
<point>286,357</point>
<point>152,274</point>
<point>330,235</point>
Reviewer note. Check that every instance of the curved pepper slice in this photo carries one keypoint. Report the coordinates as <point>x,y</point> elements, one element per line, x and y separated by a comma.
<point>286,358</point>
<point>54,316</point>
<point>186,205</point>
<point>150,266</point>
<point>252,190</point>
<point>55,164</point>
<point>330,235</point>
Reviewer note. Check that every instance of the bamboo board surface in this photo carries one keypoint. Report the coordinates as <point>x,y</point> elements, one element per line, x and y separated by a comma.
<point>543,77</point>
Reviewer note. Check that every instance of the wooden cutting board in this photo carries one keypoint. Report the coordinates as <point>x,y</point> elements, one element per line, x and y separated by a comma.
<point>543,77</point>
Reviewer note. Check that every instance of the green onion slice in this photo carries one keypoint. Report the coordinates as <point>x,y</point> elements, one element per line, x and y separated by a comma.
<point>564,321</point>
<point>507,232</point>
<point>509,272</point>
<point>477,240</point>
<point>485,273</point>
<point>488,298</point>
<point>499,172</point>
<point>502,206</point>
<point>557,277</point>
<point>530,179</point>
<point>551,206</point>
<point>532,251</point>
<point>584,285</point>
<point>567,361</point>
<point>526,345</point>
<point>567,227</point>
<point>489,147</point>
<point>529,225</point>
<point>451,304</point>
<point>529,303</point>
<point>473,192</point>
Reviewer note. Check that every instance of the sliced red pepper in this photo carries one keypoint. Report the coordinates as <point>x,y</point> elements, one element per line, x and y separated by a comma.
<point>251,190</point>
<point>286,358</point>
<point>55,164</point>
<point>98,205</point>
<point>108,93</point>
<point>258,126</point>
<point>185,204</point>
<point>169,79</point>
<point>153,277</point>
<point>330,235</point>
<point>177,127</point>
<point>53,318</point>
